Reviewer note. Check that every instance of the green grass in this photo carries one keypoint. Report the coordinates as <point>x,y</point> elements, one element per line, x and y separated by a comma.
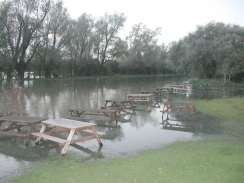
<point>217,81</point>
<point>217,161</point>
<point>204,161</point>
<point>231,109</point>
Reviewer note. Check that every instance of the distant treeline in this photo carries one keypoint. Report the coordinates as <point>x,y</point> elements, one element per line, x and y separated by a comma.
<point>39,36</point>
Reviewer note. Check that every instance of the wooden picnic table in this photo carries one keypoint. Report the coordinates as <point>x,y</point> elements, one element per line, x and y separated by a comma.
<point>176,90</point>
<point>104,115</point>
<point>15,122</point>
<point>144,99</point>
<point>119,104</point>
<point>167,106</point>
<point>156,97</point>
<point>72,127</point>
<point>140,97</point>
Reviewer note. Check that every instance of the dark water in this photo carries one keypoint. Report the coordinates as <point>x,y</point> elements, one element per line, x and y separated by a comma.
<point>142,131</point>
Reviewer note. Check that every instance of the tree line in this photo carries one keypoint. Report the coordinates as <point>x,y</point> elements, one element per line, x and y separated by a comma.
<point>39,36</point>
<point>215,50</point>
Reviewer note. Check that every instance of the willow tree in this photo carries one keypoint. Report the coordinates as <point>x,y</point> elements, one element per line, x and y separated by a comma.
<point>55,38</point>
<point>21,21</point>
<point>143,48</point>
<point>106,29</point>
<point>80,45</point>
<point>212,51</point>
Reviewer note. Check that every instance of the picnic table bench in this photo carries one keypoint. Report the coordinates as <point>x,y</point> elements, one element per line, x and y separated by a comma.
<point>119,104</point>
<point>182,108</point>
<point>15,122</point>
<point>179,127</point>
<point>96,115</point>
<point>143,99</point>
<point>71,127</point>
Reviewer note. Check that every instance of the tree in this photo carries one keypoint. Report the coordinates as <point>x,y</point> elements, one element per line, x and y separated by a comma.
<point>212,51</point>
<point>119,50</point>
<point>80,46</point>
<point>21,21</point>
<point>143,47</point>
<point>106,29</point>
<point>229,47</point>
<point>55,38</point>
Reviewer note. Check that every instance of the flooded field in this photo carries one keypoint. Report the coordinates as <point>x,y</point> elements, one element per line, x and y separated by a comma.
<point>136,132</point>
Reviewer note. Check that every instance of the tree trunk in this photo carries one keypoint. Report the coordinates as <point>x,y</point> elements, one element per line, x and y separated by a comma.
<point>9,74</point>
<point>101,68</point>
<point>20,68</point>
<point>47,72</point>
<point>224,78</point>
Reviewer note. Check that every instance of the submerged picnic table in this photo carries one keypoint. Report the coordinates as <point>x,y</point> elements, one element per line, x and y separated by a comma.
<point>143,99</point>
<point>183,108</point>
<point>104,115</point>
<point>72,127</point>
<point>119,104</point>
<point>15,122</point>
<point>174,89</point>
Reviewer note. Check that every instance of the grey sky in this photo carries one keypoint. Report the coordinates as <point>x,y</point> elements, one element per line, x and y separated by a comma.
<point>176,17</point>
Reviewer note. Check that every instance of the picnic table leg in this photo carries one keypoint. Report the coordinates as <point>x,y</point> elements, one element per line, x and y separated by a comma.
<point>32,126</point>
<point>163,115</point>
<point>192,112</point>
<point>71,133</point>
<point>165,110</point>
<point>41,131</point>
<point>96,135</point>
<point>168,108</point>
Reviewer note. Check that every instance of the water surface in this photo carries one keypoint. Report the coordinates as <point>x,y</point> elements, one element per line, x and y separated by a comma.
<point>143,131</point>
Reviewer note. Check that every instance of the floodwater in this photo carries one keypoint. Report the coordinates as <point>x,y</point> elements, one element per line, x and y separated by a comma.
<point>142,131</point>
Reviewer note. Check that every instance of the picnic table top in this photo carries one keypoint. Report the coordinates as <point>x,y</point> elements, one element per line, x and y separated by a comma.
<point>93,110</point>
<point>117,100</point>
<point>68,123</point>
<point>139,95</point>
<point>21,119</point>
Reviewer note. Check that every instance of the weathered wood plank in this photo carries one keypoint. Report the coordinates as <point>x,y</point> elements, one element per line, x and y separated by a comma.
<point>51,138</point>
<point>13,134</point>
<point>90,131</point>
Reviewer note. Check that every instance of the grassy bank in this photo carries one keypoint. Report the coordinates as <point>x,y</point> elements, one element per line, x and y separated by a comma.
<point>218,82</point>
<point>197,161</point>
<point>230,109</point>
<point>180,162</point>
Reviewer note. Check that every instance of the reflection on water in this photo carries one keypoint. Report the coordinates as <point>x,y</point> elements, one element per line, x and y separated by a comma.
<point>140,131</point>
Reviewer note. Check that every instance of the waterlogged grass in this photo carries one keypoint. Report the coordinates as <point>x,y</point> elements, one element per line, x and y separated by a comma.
<point>217,81</point>
<point>197,161</point>
<point>203,161</point>
<point>231,109</point>
<point>206,81</point>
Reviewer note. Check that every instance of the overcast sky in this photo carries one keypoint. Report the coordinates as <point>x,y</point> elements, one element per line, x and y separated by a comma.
<point>176,17</point>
